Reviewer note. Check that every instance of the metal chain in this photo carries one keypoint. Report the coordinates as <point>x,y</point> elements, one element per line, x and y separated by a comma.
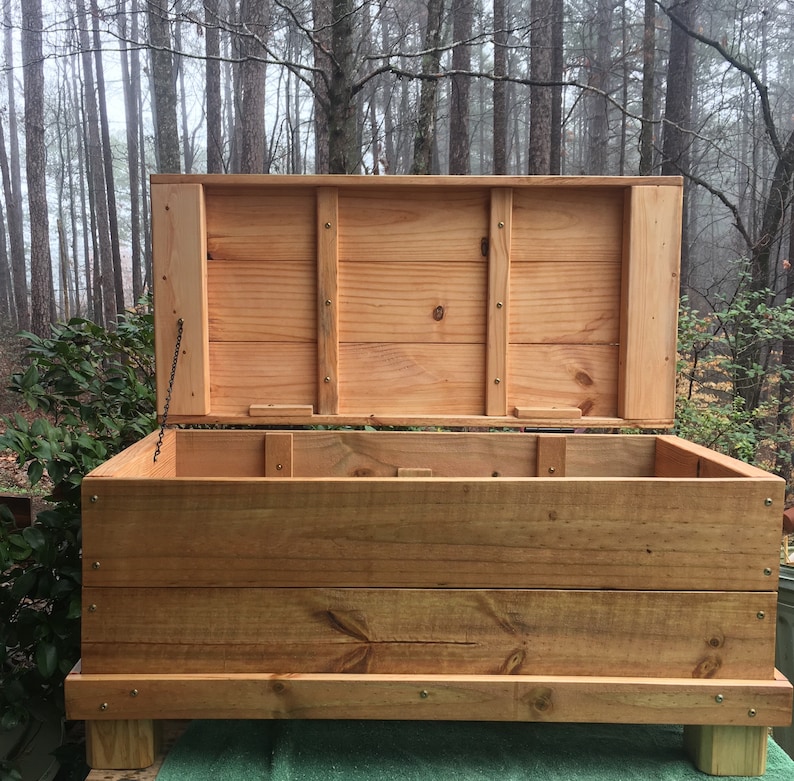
<point>180,324</point>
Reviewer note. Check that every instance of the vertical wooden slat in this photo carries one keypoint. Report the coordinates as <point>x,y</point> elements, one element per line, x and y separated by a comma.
<point>328,300</point>
<point>649,303</point>
<point>551,455</point>
<point>278,454</point>
<point>500,231</point>
<point>179,258</point>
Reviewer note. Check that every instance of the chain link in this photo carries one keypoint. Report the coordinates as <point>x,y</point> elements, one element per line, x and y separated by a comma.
<point>180,325</point>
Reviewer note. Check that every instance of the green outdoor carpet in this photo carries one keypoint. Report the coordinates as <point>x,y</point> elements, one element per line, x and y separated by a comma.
<point>435,751</point>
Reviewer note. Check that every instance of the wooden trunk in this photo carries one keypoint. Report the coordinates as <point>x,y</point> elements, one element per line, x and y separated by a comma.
<point>311,566</point>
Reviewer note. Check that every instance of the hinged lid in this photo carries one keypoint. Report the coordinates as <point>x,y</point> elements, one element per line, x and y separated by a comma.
<point>459,301</point>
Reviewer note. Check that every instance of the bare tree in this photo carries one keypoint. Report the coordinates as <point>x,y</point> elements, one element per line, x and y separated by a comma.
<point>540,95</point>
<point>462,25</point>
<point>166,127</point>
<point>426,114</point>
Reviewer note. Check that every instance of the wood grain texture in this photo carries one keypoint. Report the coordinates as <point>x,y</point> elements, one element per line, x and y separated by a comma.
<point>564,375</point>
<point>727,750</point>
<point>650,287</point>
<point>267,222</point>
<point>579,227</point>
<point>278,454</point>
<point>179,250</point>
<point>384,301</point>
<point>499,244</point>
<point>121,743</point>
<point>328,302</point>
<point>552,461</point>
<point>676,457</point>
<point>490,698</point>
<point>413,224</point>
<point>446,532</point>
<point>429,631</point>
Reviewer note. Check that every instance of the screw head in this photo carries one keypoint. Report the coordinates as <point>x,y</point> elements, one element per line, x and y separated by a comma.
<point>103,706</point>
<point>328,302</point>
<point>94,499</point>
<point>751,713</point>
<point>719,698</point>
<point>760,615</point>
<point>767,571</point>
<point>552,470</point>
<point>424,694</point>
<point>96,565</point>
<point>134,693</point>
<point>768,502</point>
<point>499,304</point>
<point>279,467</point>
<point>501,224</point>
<point>327,225</point>
<point>327,379</point>
<point>497,381</point>
<point>92,608</point>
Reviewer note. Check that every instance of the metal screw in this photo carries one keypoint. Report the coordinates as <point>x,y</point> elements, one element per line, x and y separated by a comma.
<point>279,466</point>
<point>751,713</point>
<point>760,615</point>
<point>92,608</point>
<point>103,706</point>
<point>768,502</point>
<point>134,693</point>
<point>496,381</point>
<point>327,379</point>
<point>767,571</point>
<point>719,698</point>
<point>552,470</point>
<point>423,694</point>
<point>96,565</point>
<point>501,225</point>
<point>328,302</point>
<point>94,498</point>
<point>327,225</point>
<point>499,304</point>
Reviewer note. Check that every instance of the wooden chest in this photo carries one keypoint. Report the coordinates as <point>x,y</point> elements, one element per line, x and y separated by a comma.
<point>439,567</point>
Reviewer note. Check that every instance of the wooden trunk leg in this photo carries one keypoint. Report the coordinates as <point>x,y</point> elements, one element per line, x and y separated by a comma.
<point>125,744</point>
<point>727,750</point>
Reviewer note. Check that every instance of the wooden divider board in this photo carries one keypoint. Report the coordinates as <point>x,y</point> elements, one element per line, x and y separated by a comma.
<point>411,301</point>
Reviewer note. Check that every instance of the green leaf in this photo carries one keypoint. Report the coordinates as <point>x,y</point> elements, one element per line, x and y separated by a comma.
<point>35,472</point>
<point>35,538</point>
<point>46,659</point>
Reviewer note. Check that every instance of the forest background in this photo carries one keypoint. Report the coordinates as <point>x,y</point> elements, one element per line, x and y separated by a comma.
<point>95,95</point>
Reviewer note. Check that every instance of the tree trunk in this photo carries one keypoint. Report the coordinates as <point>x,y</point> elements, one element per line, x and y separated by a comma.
<point>166,128</point>
<point>8,312</point>
<point>344,156</point>
<point>107,162</point>
<point>426,115</point>
<point>462,23</point>
<point>253,28</point>
<point>499,89</point>
<point>785,407</point>
<point>323,64</point>
<point>42,310</point>
<point>12,183</point>
<point>540,97</point>
<point>212,44</point>
<point>598,120</point>
<point>648,75</point>
<point>557,66</point>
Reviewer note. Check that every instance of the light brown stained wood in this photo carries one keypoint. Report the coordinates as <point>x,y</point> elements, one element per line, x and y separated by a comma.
<point>121,743</point>
<point>180,287</point>
<point>652,254</point>
<point>254,301</point>
<point>551,455</point>
<point>499,232</point>
<point>727,750</point>
<point>549,413</point>
<point>676,457</point>
<point>453,697</point>
<point>382,453</point>
<point>413,224</point>
<point>406,471</point>
<point>446,532</point>
<point>429,631</point>
<point>278,454</point>
<point>171,730</point>
<point>565,302</point>
<point>245,373</point>
<point>567,226</point>
<point>138,460</point>
<point>261,223</point>
<point>550,375</point>
<point>328,300</point>
<point>412,379</point>
<point>412,302</point>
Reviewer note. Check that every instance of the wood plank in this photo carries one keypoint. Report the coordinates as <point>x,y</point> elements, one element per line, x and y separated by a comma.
<point>429,631</point>
<point>413,224</point>
<point>549,307</point>
<point>303,411</point>
<point>278,454</point>
<point>412,379</point>
<point>246,373</point>
<point>179,257</point>
<point>414,471</point>
<point>328,301</point>
<point>499,233</point>
<point>549,413</point>
<point>171,731</point>
<point>268,221</point>
<point>255,301</point>
<point>407,301</point>
<point>550,375</point>
<point>551,455</point>
<point>121,743</point>
<point>648,333</point>
<point>634,533</point>
<point>727,749</point>
<point>138,459</point>
<point>560,226</point>
<point>615,700</point>
<point>676,457</point>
